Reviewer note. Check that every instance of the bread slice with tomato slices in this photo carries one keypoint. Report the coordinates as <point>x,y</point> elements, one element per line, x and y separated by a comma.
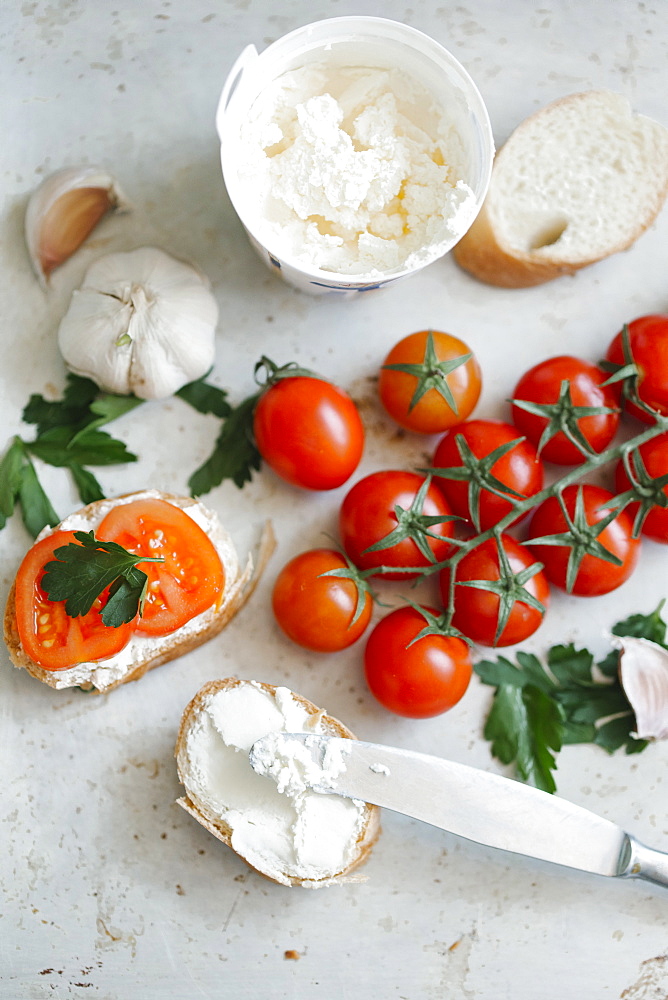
<point>293,837</point>
<point>81,651</point>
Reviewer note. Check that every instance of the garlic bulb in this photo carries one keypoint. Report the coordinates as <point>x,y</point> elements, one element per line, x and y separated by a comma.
<point>141,323</point>
<point>643,672</point>
<point>64,210</point>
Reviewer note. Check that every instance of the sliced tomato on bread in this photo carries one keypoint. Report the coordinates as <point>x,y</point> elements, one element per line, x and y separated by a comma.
<point>48,635</point>
<point>188,581</point>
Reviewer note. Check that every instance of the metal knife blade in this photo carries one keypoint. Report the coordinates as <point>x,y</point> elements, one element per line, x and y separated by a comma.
<point>471,803</point>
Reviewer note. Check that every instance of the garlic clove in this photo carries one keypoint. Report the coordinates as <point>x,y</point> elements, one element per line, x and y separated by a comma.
<point>643,672</point>
<point>64,210</point>
<point>142,322</point>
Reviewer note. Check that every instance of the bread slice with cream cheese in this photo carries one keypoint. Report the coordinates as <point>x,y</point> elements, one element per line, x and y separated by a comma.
<point>577,181</point>
<point>304,839</point>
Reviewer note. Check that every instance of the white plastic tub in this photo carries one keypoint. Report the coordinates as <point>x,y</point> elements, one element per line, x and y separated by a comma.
<point>351,41</point>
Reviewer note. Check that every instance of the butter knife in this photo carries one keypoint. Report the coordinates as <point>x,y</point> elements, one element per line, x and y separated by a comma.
<point>466,801</point>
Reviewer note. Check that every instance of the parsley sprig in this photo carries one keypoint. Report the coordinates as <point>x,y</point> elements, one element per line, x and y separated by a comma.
<point>81,571</point>
<point>68,436</point>
<point>540,707</point>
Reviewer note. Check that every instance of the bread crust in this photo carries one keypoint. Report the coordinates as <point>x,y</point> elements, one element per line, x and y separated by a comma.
<point>369,832</point>
<point>239,585</point>
<point>483,252</point>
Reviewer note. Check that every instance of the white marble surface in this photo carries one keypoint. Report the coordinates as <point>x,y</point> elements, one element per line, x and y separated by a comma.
<point>108,889</point>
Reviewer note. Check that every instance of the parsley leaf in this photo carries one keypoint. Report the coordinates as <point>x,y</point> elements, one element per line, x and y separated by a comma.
<point>35,504</point>
<point>72,409</point>
<point>235,454</point>
<point>10,479</point>
<point>19,484</point>
<point>68,436</point>
<point>81,572</point>
<point>650,627</point>
<point>87,485</point>
<point>205,398</point>
<point>538,708</point>
<point>62,447</point>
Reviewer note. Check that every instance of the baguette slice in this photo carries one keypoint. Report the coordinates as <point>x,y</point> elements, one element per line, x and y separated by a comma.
<point>143,653</point>
<point>231,801</point>
<point>577,181</point>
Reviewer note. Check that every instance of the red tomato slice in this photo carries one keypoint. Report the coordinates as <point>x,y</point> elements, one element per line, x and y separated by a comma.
<point>190,579</point>
<point>48,635</point>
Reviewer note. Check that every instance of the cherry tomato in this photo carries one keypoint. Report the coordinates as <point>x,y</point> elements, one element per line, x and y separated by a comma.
<point>368,515</point>
<point>542,384</point>
<point>654,458</point>
<point>48,635</point>
<point>317,611</point>
<point>595,575</point>
<point>309,432</point>
<point>477,611</point>
<point>648,342</point>
<point>416,679</point>
<point>520,469</point>
<point>435,410</point>
<point>190,579</point>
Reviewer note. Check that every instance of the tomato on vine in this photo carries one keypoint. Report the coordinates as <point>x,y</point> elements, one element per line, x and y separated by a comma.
<point>644,470</point>
<point>429,381</point>
<point>320,602</point>
<point>306,429</point>
<point>487,462</point>
<point>641,348</point>
<point>412,668</point>
<point>500,592</point>
<point>395,519</point>
<point>565,410</point>
<point>586,547</point>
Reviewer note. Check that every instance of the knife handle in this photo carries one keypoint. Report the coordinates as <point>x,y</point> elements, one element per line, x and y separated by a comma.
<point>647,863</point>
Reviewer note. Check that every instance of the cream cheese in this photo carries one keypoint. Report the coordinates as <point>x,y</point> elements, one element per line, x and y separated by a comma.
<point>289,833</point>
<point>104,673</point>
<point>354,170</point>
<point>294,767</point>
